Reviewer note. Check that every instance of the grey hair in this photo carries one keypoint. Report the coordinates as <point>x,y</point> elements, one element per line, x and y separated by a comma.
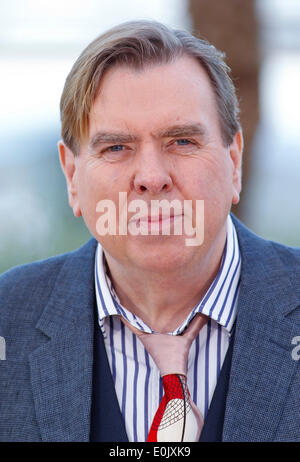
<point>137,44</point>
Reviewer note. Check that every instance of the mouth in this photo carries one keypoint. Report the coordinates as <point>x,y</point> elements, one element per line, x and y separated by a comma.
<point>155,224</point>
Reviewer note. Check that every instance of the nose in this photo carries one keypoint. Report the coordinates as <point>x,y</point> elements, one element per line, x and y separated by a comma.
<point>151,173</point>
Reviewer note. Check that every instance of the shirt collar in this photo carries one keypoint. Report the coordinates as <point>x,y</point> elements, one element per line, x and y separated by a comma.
<point>219,302</point>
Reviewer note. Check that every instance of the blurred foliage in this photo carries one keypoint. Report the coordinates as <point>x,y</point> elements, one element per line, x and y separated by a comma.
<point>37,221</point>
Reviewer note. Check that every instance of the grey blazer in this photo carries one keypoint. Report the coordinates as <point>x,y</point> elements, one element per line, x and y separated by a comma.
<point>47,321</point>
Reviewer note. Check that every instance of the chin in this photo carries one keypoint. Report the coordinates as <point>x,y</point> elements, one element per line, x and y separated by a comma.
<point>160,256</point>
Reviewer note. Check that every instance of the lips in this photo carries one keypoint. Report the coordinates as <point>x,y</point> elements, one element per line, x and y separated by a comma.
<point>154,224</point>
<point>155,218</point>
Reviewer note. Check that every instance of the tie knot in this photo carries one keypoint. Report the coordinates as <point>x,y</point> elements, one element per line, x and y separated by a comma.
<point>170,352</point>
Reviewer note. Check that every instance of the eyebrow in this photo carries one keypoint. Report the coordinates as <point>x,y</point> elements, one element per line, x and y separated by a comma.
<point>183,130</point>
<point>120,138</point>
<point>113,138</point>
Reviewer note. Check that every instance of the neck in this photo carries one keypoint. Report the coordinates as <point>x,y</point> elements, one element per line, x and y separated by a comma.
<point>166,299</point>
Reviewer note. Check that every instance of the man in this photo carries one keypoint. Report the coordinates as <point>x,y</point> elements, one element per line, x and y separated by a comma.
<point>151,113</point>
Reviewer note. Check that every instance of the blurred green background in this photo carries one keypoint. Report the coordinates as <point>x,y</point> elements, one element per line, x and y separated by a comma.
<point>40,40</point>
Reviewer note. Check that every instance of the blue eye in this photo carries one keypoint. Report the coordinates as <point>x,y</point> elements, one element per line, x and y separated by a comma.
<point>116,147</point>
<point>183,142</point>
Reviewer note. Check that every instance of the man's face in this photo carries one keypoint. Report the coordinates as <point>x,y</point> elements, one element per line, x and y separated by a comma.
<point>155,134</point>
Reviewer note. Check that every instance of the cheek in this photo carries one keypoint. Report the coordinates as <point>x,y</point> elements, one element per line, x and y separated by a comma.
<point>98,183</point>
<point>90,184</point>
<point>209,181</point>
<point>89,194</point>
<point>204,180</point>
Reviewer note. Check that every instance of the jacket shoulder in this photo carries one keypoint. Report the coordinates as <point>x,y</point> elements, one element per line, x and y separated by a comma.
<point>290,257</point>
<point>25,289</point>
<point>259,245</point>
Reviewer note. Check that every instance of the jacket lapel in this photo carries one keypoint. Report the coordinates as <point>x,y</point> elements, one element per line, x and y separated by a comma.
<point>62,367</point>
<point>107,423</point>
<point>262,364</point>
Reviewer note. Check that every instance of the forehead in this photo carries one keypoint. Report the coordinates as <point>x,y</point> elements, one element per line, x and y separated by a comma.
<point>158,94</point>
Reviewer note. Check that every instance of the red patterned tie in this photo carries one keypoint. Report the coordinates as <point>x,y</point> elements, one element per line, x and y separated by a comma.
<point>177,417</point>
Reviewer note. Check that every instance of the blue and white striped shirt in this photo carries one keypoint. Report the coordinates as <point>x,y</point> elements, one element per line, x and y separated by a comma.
<point>136,377</point>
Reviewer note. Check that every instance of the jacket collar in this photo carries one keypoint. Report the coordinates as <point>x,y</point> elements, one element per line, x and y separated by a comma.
<point>73,291</point>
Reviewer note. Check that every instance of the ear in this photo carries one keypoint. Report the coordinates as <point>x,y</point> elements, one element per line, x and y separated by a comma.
<point>236,152</point>
<point>68,165</point>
